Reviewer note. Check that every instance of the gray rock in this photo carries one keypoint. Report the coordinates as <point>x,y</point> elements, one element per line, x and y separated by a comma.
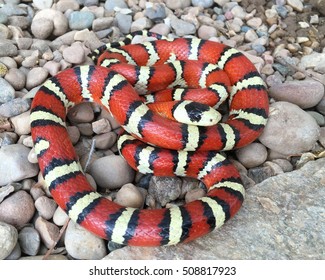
<point>29,240</point>
<point>15,253</point>
<point>305,93</point>
<point>14,107</point>
<point>83,245</point>
<point>14,165</point>
<point>3,18</point>
<point>202,3</point>
<point>7,91</point>
<point>8,138</point>
<point>8,239</point>
<point>252,155</point>
<point>111,4</point>
<point>16,78</point>
<point>182,27</point>
<point>156,13</point>
<point>5,191</point>
<point>7,48</point>
<point>48,231</point>
<point>289,130</point>
<point>81,20</point>
<point>124,22</point>
<point>282,218</point>
<point>17,209</point>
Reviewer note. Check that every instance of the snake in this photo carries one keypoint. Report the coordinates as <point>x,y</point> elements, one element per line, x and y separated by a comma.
<point>125,79</point>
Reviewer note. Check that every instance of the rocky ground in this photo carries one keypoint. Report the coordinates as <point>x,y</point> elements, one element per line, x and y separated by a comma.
<point>284,173</point>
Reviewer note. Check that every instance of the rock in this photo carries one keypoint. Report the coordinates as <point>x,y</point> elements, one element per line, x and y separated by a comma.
<point>43,4</point>
<point>305,93</point>
<point>48,231</point>
<point>17,209</point>
<point>5,191</point>
<point>8,138</point>
<point>252,155</point>
<point>314,60</point>
<point>172,4</point>
<point>36,77</point>
<point>8,239</point>
<point>16,78</point>
<point>14,165</point>
<point>45,207</point>
<point>64,5</point>
<point>194,195</point>
<point>83,245</point>
<point>101,126</point>
<point>202,3</point>
<point>206,32</point>
<point>140,24</point>
<point>102,23</point>
<point>259,174</point>
<point>29,241</point>
<point>301,129</point>
<point>182,27</point>
<point>7,91</point>
<point>111,4</point>
<point>297,5</point>
<point>165,189</point>
<point>319,118</point>
<point>21,123</point>
<point>42,28</point>
<point>60,217</point>
<point>79,20</point>
<point>7,48</point>
<point>52,67</point>
<point>105,141</point>
<point>15,253</point>
<point>36,191</point>
<point>111,172</point>
<point>74,54</point>
<point>60,22</point>
<point>249,235</point>
<point>124,22</point>
<point>161,28</point>
<point>129,196</point>
<point>156,13</point>
<point>250,35</point>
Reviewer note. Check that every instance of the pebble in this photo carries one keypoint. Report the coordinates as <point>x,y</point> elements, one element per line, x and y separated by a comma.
<point>252,155</point>
<point>102,23</point>
<point>119,173</point>
<point>314,60</point>
<point>65,5</point>
<point>161,28</point>
<point>106,140</point>
<point>21,123</point>
<point>14,165</point>
<point>60,22</point>
<point>202,3</point>
<point>5,191</point>
<point>181,27</point>
<point>156,13</point>
<point>101,126</point>
<point>165,189</point>
<point>45,207</point>
<point>305,93</point>
<point>238,11</point>
<point>129,196</point>
<point>301,129</point>
<point>81,20</point>
<point>74,134</point>
<point>206,32</point>
<point>52,67</point>
<point>285,165</point>
<point>17,209</point>
<point>36,77</point>
<point>36,191</point>
<point>8,138</point>
<point>15,253</point>
<point>297,5</point>
<point>7,91</point>
<point>83,245</point>
<point>48,231</point>
<point>141,24</point>
<point>43,4</point>
<point>124,22</point>
<point>14,107</point>
<point>60,217</point>
<point>29,241</point>
<point>8,239</point>
<point>110,5</point>
<point>319,118</point>
<point>16,78</point>
<point>195,194</point>
<point>251,36</point>
<point>174,5</point>
<point>74,54</point>
<point>7,48</point>
<point>259,174</point>
<point>42,28</point>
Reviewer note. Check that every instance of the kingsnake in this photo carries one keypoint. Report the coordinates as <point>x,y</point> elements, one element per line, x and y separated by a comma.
<point>174,148</point>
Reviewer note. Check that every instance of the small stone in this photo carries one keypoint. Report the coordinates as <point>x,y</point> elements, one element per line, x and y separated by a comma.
<point>182,27</point>
<point>29,241</point>
<point>21,123</point>
<point>36,77</point>
<point>5,191</point>
<point>16,78</point>
<point>14,107</point>
<point>48,231</point>
<point>174,5</point>
<point>43,4</point>
<point>202,3</point>
<point>319,118</point>
<point>83,245</point>
<point>206,32</point>
<point>250,35</point>
<point>102,23</point>
<point>15,253</point>
<point>74,54</point>
<point>45,207</point>
<point>301,129</point>
<point>8,138</point>
<point>101,126</point>
<point>111,172</point>
<point>238,11</point>
<point>105,141</point>
<point>129,196</point>
<point>156,13</point>
<point>65,5</point>
<point>7,48</point>
<point>195,194</point>
<point>60,217</point>
<point>110,5</point>
<point>252,155</point>
<point>165,189</point>
<point>305,93</point>
<point>74,134</point>
<point>254,22</point>
<point>17,209</point>
<point>32,157</point>
<point>8,239</point>
<point>14,165</point>
<point>36,191</point>
<point>124,22</point>
<point>42,28</point>
<point>285,165</point>
<point>80,20</point>
<point>314,19</point>
<point>297,5</point>
<point>161,28</point>
<point>259,174</point>
<point>141,24</point>
<point>7,91</point>
<point>52,67</point>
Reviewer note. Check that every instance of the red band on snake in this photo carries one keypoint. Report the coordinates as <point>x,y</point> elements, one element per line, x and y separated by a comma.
<point>163,68</point>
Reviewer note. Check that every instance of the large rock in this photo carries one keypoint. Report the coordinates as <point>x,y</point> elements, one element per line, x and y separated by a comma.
<point>282,218</point>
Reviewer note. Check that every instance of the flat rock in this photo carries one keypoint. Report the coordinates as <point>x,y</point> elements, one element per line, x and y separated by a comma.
<point>277,221</point>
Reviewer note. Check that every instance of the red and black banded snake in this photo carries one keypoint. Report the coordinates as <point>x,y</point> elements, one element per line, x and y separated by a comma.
<point>151,143</point>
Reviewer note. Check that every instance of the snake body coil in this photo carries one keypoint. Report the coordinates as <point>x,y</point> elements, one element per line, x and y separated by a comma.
<point>168,69</point>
